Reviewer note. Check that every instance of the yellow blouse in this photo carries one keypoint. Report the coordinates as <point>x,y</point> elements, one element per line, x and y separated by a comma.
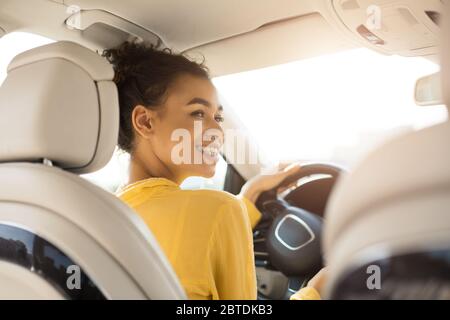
<point>206,235</point>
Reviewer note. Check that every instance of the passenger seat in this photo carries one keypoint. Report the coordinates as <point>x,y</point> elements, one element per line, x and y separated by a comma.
<point>60,236</point>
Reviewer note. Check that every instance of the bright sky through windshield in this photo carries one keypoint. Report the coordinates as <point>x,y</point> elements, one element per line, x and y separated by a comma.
<point>333,107</point>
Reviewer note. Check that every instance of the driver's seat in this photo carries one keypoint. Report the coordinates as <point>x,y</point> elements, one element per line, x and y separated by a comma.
<point>61,236</point>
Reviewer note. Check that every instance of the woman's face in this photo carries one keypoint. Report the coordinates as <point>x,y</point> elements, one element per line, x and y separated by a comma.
<point>186,132</point>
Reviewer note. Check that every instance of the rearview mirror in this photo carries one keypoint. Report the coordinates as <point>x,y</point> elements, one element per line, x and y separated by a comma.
<point>428,91</point>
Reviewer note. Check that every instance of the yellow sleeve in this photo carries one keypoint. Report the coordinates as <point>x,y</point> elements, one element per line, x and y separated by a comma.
<point>307,293</point>
<point>231,255</point>
<point>253,213</point>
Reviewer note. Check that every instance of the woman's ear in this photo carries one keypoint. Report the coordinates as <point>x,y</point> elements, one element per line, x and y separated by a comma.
<point>142,119</point>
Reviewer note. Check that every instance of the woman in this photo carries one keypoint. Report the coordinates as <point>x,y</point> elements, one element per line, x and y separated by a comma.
<point>206,235</point>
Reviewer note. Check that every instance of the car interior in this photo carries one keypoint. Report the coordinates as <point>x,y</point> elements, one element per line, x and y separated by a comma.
<point>388,207</point>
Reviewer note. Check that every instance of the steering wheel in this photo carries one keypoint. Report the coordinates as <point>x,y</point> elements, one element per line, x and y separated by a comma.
<point>288,237</point>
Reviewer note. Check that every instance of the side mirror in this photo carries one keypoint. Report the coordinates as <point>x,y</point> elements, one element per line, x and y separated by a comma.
<point>428,91</point>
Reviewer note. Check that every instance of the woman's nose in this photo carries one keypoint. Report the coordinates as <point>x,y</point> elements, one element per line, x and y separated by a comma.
<point>216,128</point>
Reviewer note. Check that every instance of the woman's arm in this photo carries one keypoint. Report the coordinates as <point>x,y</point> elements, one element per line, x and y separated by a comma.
<point>264,182</point>
<point>253,213</point>
<point>254,187</point>
<point>314,288</point>
<point>231,256</point>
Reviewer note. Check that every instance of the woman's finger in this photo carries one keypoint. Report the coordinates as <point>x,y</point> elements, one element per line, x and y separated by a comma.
<point>292,168</point>
<point>289,186</point>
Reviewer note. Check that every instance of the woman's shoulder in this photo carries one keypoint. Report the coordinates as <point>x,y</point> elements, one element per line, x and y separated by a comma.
<point>216,203</point>
<point>232,206</point>
<point>215,194</point>
<point>212,197</point>
<point>218,207</point>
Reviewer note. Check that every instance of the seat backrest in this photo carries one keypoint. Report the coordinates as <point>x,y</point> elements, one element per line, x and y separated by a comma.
<point>390,217</point>
<point>61,236</point>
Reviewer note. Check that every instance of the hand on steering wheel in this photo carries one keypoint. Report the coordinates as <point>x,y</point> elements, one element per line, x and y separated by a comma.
<point>265,182</point>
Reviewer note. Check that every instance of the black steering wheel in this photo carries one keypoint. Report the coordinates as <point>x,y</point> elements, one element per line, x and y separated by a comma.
<point>288,237</point>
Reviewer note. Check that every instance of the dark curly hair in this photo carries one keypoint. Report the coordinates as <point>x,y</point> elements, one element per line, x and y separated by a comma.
<point>143,75</point>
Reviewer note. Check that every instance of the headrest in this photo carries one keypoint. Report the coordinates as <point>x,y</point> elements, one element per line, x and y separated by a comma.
<point>445,55</point>
<point>59,103</point>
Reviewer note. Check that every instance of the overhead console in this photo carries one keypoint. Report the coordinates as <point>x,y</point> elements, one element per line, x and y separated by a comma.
<point>408,27</point>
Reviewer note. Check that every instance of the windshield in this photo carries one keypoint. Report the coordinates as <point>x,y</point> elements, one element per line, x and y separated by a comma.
<point>331,108</point>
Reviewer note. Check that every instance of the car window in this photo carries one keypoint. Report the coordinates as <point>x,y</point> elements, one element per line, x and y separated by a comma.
<point>331,108</point>
<point>17,42</point>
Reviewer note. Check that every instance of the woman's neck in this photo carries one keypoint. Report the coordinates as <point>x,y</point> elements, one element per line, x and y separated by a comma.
<point>150,167</point>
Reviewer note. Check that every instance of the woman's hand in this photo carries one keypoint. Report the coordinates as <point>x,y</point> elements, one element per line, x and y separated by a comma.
<point>313,290</point>
<point>261,183</point>
<point>319,280</point>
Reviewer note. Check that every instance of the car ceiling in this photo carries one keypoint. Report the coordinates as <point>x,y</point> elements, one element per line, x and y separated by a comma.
<point>190,23</point>
<point>232,35</point>
<point>221,31</point>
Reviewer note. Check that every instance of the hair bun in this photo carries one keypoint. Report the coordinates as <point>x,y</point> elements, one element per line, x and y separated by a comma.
<point>124,58</point>
<point>143,74</point>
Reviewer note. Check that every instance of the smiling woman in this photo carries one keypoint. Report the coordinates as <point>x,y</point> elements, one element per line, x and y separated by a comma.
<point>161,93</point>
<point>115,173</point>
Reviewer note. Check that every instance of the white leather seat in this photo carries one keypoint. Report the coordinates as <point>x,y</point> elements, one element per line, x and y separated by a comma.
<point>393,206</point>
<point>59,117</point>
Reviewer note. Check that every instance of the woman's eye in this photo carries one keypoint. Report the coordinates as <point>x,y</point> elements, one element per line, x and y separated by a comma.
<point>199,114</point>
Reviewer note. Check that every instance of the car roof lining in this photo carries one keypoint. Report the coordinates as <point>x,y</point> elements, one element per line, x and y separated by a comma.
<point>204,30</point>
<point>278,30</point>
